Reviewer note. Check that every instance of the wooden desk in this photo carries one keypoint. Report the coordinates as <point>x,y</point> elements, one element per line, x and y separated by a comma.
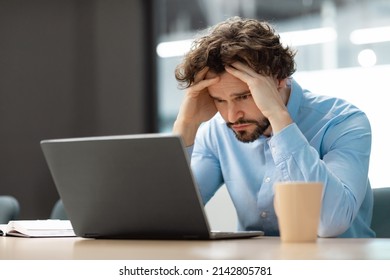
<point>269,248</point>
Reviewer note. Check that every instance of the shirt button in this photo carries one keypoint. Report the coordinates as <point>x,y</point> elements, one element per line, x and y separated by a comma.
<point>263,214</point>
<point>267,180</point>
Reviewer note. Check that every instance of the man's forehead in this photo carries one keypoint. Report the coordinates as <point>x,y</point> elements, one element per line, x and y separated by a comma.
<point>228,85</point>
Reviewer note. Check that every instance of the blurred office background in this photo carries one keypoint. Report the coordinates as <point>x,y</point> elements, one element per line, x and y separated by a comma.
<point>69,68</point>
<point>343,50</point>
<point>72,68</point>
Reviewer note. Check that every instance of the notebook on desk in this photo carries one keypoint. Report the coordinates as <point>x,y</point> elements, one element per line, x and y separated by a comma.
<point>130,187</point>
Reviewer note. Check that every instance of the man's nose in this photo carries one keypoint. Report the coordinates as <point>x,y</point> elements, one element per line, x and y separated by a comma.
<point>234,113</point>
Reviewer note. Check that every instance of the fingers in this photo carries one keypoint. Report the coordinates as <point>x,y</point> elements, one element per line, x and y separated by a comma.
<point>243,67</point>
<point>200,81</point>
<point>245,73</point>
<point>201,75</point>
<point>241,70</point>
<point>205,83</point>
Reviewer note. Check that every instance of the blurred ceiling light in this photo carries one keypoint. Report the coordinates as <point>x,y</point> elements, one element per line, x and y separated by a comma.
<point>370,35</point>
<point>174,48</point>
<point>309,36</point>
<point>367,58</point>
<point>294,38</point>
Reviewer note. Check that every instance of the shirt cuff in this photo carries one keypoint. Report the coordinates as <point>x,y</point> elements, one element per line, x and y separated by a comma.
<point>189,150</point>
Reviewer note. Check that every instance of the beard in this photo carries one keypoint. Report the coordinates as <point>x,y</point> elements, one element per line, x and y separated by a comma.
<point>247,136</point>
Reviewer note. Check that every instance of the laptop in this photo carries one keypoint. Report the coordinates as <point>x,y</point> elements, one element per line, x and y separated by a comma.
<point>130,187</point>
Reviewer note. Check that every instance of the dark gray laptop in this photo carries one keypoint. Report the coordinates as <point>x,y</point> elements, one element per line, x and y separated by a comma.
<point>129,187</point>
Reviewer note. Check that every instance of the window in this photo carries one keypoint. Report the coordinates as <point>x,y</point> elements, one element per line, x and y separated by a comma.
<point>342,51</point>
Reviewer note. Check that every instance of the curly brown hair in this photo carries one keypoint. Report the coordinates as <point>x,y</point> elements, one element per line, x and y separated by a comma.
<point>250,41</point>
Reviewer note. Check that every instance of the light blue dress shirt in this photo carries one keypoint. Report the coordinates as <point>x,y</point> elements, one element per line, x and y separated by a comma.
<point>329,141</point>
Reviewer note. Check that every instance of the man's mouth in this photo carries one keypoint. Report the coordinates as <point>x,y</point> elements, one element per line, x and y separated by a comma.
<point>241,127</point>
<point>245,133</point>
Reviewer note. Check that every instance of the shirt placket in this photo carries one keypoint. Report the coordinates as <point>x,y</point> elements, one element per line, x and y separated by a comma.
<point>265,196</point>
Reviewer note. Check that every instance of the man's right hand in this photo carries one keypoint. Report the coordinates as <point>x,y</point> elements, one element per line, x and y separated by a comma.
<point>197,107</point>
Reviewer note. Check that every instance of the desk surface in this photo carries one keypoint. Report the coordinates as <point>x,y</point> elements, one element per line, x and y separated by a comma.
<point>269,248</point>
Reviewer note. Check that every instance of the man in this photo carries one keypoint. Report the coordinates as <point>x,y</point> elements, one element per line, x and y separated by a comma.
<point>247,124</point>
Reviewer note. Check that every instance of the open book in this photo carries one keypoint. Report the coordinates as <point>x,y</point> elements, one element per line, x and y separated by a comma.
<point>38,228</point>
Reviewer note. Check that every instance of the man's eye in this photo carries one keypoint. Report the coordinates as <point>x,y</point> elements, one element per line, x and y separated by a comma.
<point>243,97</point>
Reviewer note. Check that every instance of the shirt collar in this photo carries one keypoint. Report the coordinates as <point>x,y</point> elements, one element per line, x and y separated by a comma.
<point>295,99</point>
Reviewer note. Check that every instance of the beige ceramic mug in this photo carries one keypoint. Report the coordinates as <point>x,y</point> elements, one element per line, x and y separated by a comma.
<point>298,207</point>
